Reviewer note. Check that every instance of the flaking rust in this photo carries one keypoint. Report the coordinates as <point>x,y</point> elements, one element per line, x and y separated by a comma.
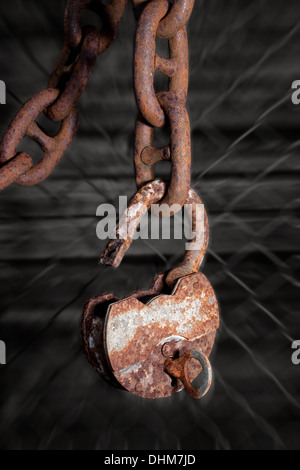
<point>159,109</point>
<point>153,348</point>
<point>59,101</point>
<point>150,343</point>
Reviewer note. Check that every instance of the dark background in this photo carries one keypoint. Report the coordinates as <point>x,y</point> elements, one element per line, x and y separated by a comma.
<point>244,55</point>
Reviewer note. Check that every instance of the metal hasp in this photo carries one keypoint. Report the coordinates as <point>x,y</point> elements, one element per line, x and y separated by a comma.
<point>152,343</point>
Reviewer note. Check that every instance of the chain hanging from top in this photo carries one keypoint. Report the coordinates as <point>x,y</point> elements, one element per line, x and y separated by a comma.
<point>155,19</point>
<point>59,101</point>
<point>145,348</point>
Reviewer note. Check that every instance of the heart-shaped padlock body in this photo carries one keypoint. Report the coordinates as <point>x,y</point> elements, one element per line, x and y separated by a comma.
<point>134,336</point>
<point>92,327</point>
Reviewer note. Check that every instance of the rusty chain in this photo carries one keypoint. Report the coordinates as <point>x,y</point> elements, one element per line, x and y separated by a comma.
<point>156,19</point>
<point>157,109</point>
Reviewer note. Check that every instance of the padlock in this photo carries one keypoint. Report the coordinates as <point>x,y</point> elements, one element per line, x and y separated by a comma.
<point>155,342</point>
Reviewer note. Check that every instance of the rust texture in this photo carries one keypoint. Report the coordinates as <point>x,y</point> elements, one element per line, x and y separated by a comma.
<point>92,326</point>
<point>150,378</point>
<point>162,108</point>
<point>11,171</point>
<point>153,342</point>
<point>76,74</point>
<point>135,334</point>
<point>111,15</point>
<point>137,208</point>
<point>59,100</point>
<point>193,258</point>
<point>144,62</point>
<point>177,18</point>
<point>144,136</point>
<point>155,289</point>
<point>24,124</point>
<point>178,15</point>
<point>129,346</point>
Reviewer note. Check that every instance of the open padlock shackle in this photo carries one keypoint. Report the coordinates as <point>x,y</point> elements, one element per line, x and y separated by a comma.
<point>138,206</point>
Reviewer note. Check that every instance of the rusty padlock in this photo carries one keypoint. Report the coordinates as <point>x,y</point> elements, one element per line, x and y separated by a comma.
<point>155,342</point>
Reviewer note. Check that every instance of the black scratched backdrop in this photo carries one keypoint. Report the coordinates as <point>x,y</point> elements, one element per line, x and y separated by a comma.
<point>244,55</point>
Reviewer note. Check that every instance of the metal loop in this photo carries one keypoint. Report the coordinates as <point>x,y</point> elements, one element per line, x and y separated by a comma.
<point>179,54</point>
<point>193,258</point>
<point>156,107</point>
<point>144,62</point>
<point>176,19</point>
<point>179,368</point>
<point>77,74</point>
<point>144,136</point>
<point>147,62</point>
<point>138,206</point>
<point>23,119</point>
<point>53,155</point>
<point>111,15</point>
<point>54,147</point>
<point>10,172</point>
<point>180,149</point>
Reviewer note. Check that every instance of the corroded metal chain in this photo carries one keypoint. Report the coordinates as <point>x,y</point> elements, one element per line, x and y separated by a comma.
<point>156,19</point>
<point>59,100</point>
<point>160,19</point>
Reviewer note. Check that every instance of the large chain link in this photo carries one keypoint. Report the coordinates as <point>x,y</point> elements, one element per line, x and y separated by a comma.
<point>59,100</point>
<point>160,19</point>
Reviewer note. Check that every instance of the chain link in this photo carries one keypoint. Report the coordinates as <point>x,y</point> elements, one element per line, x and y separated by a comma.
<point>158,109</point>
<point>24,125</point>
<point>111,15</point>
<point>73,77</point>
<point>155,19</point>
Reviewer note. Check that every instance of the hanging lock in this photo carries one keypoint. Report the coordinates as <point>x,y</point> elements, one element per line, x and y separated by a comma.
<point>155,342</point>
